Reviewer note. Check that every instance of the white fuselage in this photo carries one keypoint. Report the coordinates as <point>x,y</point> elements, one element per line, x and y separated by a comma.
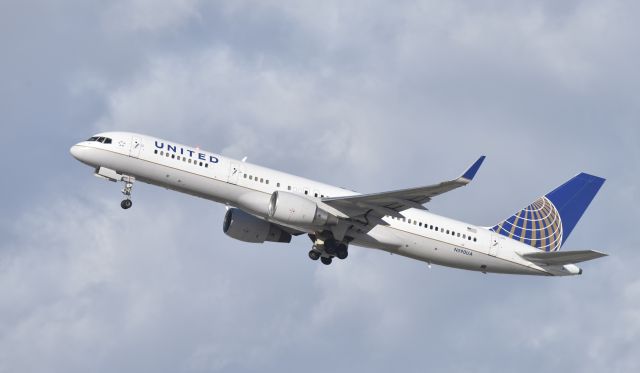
<point>419,234</point>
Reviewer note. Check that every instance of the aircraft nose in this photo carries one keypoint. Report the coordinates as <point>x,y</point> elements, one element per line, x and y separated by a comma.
<point>75,152</point>
<point>81,153</point>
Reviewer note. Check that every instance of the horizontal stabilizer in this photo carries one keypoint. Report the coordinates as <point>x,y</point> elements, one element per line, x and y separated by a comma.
<point>562,257</point>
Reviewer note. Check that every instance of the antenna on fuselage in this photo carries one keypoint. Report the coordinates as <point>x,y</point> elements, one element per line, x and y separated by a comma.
<point>244,159</point>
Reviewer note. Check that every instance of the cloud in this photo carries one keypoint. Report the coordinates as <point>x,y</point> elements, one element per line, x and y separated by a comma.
<point>149,15</point>
<point>370,95</point>
<point>217,94</point>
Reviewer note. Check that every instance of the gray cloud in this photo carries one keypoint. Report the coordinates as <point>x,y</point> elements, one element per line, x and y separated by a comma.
<point>360,94</point>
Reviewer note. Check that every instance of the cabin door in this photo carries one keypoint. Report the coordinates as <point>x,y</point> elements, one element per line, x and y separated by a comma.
<point>136,147</point>
<point>497,241</point>
<point>235,171</point>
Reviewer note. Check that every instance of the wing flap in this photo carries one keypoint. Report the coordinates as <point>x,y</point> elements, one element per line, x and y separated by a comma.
<point>562,257</point>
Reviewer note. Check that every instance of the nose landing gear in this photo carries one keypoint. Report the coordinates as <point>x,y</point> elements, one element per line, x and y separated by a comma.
<point>126,191</point>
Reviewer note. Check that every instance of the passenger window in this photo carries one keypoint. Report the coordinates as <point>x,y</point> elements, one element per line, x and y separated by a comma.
<point>156,151</point>
<point>189,160</point>
<point>200,163</point>
<point>474,239</point>
<point>250,177</point>
<point>267,182</point>
<point>168,154</point>
<point>316,195</point>
<point>458,234</point>
<point>306,192</point>
<point>173,156</point>
<point>278,185</point>
<point>206,165</point>
<point>289,187</point>
<point>245,176</point>
<point>409,221</point>
<point>261,180</point>
<point>420,224</point>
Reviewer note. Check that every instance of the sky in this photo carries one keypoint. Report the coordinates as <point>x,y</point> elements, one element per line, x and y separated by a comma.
<point>369,95</point>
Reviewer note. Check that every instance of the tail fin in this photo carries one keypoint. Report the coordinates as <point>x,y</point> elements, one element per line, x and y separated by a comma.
<point>546,223</point>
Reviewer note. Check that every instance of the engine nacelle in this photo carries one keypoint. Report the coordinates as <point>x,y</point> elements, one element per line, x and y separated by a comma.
<point>248,228</point>
<point>290,208</point>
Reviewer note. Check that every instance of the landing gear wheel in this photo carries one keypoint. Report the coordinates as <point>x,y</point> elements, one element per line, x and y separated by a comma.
<point>325,260</point>
<point>342,252</point>
<point>314,255</point>
<point>331,247</point>
<point>126,204</point>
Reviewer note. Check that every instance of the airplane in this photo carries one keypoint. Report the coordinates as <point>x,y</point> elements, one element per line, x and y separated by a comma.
<point>268,205</point>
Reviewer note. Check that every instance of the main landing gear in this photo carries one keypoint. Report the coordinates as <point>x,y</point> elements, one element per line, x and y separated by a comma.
<point>126,191</point>
<point>314,254</point>
<point>327,250</point>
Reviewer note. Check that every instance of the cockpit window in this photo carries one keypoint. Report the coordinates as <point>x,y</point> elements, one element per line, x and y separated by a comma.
<point>104,140</point>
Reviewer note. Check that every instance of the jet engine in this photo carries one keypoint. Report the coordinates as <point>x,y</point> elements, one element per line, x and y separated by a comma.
<point>294,209</point>
<point>248,228</point>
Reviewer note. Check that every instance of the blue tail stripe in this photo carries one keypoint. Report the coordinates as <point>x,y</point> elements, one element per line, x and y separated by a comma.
<point>572,199</point>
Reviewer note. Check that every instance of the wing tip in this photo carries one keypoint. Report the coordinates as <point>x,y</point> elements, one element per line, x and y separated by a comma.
<point>471,172</point>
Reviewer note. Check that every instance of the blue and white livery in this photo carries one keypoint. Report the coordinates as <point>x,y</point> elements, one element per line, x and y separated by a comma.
<point>268,205</point>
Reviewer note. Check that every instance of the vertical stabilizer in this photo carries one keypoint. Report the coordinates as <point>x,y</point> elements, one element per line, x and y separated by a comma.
<point>546,223</point>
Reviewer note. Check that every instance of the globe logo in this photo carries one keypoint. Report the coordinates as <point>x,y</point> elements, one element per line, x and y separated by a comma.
<point>538,225</point>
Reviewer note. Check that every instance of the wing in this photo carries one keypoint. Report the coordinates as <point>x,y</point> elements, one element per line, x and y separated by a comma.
<point>562,257</point>
<point>392,203</point>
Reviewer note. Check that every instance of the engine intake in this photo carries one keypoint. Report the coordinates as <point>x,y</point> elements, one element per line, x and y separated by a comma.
<point>294,209</point>
<point>248,228</point>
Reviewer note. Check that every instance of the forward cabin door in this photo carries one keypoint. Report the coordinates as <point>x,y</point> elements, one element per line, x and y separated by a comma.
<point>136,147</point>
<point>235,171</point>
